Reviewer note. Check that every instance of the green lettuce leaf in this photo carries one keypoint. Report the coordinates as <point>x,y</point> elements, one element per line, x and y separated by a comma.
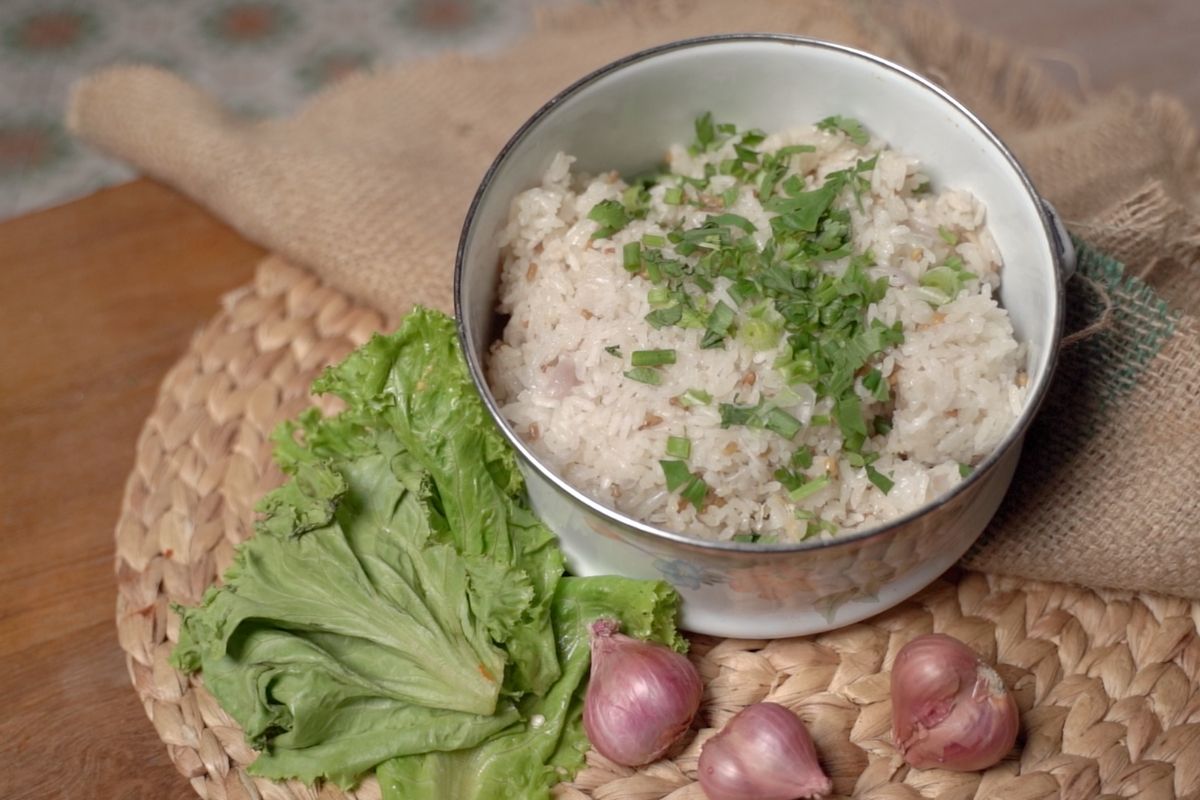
<point>526,761</point>
<point>399,606</point>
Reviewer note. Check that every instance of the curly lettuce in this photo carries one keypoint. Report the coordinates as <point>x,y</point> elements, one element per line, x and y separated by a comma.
<point>400,608</point>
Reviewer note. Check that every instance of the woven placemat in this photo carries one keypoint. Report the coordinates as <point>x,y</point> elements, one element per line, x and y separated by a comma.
<point>1107,683</point>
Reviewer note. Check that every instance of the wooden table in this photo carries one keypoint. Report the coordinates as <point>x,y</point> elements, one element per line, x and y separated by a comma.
<point>100,299</point>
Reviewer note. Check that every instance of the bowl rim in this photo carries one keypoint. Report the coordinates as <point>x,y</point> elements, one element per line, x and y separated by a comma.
<point>1012,438</point>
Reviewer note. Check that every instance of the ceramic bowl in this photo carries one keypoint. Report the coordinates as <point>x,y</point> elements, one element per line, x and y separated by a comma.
<point>623,117</point>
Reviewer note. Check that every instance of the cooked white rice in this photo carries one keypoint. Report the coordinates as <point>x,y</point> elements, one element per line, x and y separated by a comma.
<point>957,379</point>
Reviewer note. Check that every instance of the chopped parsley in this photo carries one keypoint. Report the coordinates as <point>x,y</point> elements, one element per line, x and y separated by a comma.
<point>647,375</point>
<point>851,127</point>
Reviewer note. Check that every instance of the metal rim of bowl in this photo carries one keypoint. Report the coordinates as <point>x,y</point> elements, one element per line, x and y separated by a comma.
<point>475,365</point>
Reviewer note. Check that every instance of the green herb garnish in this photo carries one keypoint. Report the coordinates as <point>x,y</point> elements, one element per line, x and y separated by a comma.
<point>808,489</point>
<point>876,477</point>
<point>694,397</point>
<point>717,325</point>
<point>647,375</point>
<point>679,447</point>
<point>695,491</point>
<point>781,422</point>
<point>613,350</point>
<point>676,474</point>
<point>611,216</point>
<point>851,127</point>
<point>651,358</point>
<point>631,256</point>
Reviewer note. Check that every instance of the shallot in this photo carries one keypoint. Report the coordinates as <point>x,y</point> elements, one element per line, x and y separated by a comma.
<point>641,697</point>
<point>949,709</point>
<point>763,753</point>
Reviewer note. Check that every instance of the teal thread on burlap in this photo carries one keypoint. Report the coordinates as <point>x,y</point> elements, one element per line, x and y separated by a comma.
<point>1110,362</point>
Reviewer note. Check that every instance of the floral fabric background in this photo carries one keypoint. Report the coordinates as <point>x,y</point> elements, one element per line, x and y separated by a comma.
<point>260,57</point>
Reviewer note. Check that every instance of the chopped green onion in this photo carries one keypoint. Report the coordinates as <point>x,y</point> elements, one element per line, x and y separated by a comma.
<point>612,217</point>
<point>948,236</point>
<point>743,290</point>
<point>694,397</point>
<point>748,538</point>
<point>695,491</point>
<point>965,469</point>
<point>705,134</point>
<point>793,149</point>
<point>856,459</point>
<point>759,333</point>
<point>679,447</point>
<point>818,420</point>
<point>849,414</point>
<point>877,386</point>
<point>658,296</point>
<point>647,375</point>
<point>676,474</point>
<point>943,281</point>
<point>781,422</point>
<point>652,358</point>
<point>876,477</point>
<point>730,196</point>
<point>664,317</point>
<point>803,457</point>
<point>631,256</point>
<point>613,350</point>
<point>653,240</point>
<point>806,490</point>
<point>673,196</point>
<point>717,325</point>
<point>732,414</point>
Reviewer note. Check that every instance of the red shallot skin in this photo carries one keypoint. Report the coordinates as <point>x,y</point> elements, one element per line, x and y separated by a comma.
<point>641,697</point>
<point>949,709</point>
<point>763,753</point>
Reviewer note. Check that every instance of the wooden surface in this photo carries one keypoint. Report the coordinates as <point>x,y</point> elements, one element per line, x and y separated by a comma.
<point>101,297</point>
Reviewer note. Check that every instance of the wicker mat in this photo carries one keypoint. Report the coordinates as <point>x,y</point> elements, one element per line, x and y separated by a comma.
<point>1106,682</point>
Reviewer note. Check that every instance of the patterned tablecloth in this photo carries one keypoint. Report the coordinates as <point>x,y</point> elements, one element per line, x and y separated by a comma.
<point>261,57</point>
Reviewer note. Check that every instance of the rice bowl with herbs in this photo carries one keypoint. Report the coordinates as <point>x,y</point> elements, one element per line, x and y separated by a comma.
<point>776,338</point>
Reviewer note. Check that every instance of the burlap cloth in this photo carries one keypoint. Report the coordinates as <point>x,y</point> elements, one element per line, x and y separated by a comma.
<point>367,187</point>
